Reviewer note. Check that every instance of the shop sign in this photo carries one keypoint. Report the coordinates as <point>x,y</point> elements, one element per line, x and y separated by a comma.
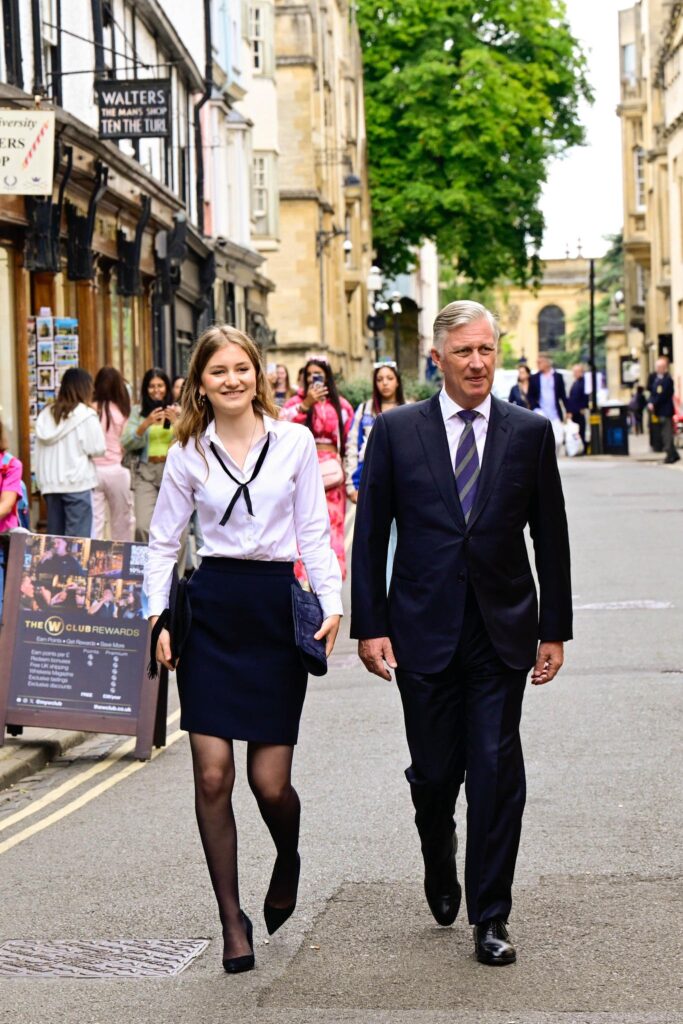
<point>139,108</point>
<point>74,643</point>
<point>27,146</point>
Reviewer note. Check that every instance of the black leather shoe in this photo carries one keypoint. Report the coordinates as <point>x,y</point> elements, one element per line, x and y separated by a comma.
<point>237,964</point>
<point>275,917</point>
<point>442,889</point>
<point>492,944</point>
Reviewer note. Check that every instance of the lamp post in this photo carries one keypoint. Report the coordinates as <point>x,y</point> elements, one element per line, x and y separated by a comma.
<point>596,440</point>
<point>376,320</point>
<point>396,310</point>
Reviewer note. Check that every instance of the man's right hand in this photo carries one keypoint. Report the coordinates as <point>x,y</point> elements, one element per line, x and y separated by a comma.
<point>375,653</point>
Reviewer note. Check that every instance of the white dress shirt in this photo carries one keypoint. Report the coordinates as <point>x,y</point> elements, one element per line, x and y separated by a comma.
<point>455,425</point>
<point>548,400</point>
<point>290,511</point>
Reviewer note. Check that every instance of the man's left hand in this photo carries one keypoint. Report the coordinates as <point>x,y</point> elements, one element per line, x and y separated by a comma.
<point>549,661</point>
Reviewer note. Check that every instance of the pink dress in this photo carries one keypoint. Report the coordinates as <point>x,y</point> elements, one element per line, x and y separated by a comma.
<point>10,480</point>
<point>325,428</point>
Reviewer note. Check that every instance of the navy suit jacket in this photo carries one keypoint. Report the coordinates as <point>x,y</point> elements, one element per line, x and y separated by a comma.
<point>408,476</point>
<point>662,395</point>
<point>560,393</point>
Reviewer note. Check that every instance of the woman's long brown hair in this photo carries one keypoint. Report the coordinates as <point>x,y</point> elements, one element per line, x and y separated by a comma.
<point>76,388</point>
<point>195,415</point>
<point>110,389</point>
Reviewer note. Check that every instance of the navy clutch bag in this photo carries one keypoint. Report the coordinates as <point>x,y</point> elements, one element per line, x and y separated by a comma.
<point>177,619</point>
<point>308,618</point>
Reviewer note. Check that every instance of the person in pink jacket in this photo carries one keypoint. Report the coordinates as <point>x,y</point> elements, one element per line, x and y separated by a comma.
<point>11,471</point>
<point>328,416</point>
<point>113,493</point>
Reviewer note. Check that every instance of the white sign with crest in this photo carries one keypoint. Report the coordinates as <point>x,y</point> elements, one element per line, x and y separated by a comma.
<point>27,144</point>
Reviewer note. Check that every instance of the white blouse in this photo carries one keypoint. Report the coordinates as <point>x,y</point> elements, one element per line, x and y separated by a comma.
<point>288,499</point>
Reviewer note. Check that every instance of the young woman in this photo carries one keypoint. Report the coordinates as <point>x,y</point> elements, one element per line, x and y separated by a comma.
<point>147,437</point>
<point>239,673</point>
<point>519,393</point>
<point>328,416</point>
<point>282,389</point>
<point>177,389</point>
<point>387,393</point>
<point>113,491</point>
<point>68,438</point>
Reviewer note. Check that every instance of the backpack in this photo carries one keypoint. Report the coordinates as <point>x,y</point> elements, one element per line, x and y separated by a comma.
<point>22,506</point>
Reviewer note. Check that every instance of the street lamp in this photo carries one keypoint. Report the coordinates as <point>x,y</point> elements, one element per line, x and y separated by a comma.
<point>396,310</point>
<point>596,442</point>
<point>376,320</point>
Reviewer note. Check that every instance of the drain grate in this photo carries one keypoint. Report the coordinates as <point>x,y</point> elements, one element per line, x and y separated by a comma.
<point>111,958</point>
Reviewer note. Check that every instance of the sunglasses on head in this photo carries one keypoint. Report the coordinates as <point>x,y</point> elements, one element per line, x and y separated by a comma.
<point>390,363</point>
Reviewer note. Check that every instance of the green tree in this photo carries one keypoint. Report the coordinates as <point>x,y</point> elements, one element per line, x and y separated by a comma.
<point>467,100</point>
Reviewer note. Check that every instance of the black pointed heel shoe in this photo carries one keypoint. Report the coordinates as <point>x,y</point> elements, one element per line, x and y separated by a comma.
<point>275,917</point>
<point>237,964</point>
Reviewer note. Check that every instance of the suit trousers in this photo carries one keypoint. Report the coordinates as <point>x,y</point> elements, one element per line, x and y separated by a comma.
<point>463,724</point>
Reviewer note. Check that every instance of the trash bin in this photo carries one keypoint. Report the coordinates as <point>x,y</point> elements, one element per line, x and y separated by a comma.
<point>615,424</point>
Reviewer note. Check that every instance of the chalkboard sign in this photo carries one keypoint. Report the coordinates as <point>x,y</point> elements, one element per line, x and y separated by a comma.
<point>137,108</point>
<point>74,643</point>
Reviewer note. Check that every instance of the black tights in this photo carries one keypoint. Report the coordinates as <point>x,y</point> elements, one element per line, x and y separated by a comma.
<point>269,770</point>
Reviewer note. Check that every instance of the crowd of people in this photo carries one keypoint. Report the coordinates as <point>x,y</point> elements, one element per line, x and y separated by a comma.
<point>100,455</point>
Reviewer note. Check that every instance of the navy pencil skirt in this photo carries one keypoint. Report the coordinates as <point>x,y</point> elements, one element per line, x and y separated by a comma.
<point>240,675</point>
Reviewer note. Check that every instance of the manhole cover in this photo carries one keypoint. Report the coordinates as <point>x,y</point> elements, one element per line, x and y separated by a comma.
<point>111,958</point>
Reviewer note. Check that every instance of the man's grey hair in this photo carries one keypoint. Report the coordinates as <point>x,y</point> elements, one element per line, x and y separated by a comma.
<point>459,314</point>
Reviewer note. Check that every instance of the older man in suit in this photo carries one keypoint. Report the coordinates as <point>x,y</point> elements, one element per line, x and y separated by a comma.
<point>462,474</point>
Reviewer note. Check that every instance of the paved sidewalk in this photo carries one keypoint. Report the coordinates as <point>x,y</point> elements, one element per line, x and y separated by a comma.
<point>23,755</point>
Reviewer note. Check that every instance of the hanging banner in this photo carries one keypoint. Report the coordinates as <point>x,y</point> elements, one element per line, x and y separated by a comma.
<point>139,108</point>
<point>27,147</point>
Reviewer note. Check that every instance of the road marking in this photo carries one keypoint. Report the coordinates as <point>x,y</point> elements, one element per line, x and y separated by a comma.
<point>85,798</point>
<point>350,521</point>
<point>78,780</point>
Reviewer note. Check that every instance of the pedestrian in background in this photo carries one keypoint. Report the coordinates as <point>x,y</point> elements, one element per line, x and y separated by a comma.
<point>387,394</point>
<point>146,438</point>
<point>177,389</point>
<point>462,474</point>
<point>11,488</point>
<point>68,438</point>
<point>519,392</point>
<point>661,405</point>
<point>577,400</point>
<point>282,390</point>
<point>547,396</point>
<point>113,495</point>
<point>256,485</point>
<point>328,416</point>
<point>637,408</point>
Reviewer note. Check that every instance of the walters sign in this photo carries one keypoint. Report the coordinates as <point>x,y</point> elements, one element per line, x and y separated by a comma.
<point>134,109</point>
<point>27,143</point>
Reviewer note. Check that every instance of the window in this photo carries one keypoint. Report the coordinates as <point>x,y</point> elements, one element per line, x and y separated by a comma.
<point>50,34</point>
<point>640,285</point>
<point>551,328</point>
<point>256,36</point>
<point>261,36</point>
<point>264,194</point>
<point>260,188</point>
<point>628,63</point>
<point>639,171</point>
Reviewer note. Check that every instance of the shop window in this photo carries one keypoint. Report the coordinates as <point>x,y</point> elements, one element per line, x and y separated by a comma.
<point>551,328</point>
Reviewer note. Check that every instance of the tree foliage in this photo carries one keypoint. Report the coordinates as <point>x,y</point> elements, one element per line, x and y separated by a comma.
<point>466,101</point>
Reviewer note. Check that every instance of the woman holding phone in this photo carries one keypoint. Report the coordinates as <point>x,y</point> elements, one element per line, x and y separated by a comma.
<point>328,416</point>
<point>146,438</point>
<point>239,674</point>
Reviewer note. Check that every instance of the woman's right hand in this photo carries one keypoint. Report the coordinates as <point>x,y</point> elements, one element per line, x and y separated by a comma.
<point>316,393</point>
<point>163,651</point>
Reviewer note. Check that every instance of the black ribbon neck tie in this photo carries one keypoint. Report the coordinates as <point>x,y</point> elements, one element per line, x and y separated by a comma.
<point>242,488</point>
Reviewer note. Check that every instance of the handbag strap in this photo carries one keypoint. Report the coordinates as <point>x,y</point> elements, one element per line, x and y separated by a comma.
<point>242,488</point>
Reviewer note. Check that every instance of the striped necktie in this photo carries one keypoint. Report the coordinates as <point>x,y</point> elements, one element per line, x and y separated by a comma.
<point>467,463</point>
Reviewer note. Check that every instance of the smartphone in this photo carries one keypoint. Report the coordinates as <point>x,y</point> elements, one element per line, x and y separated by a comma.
<point>317,378</point>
